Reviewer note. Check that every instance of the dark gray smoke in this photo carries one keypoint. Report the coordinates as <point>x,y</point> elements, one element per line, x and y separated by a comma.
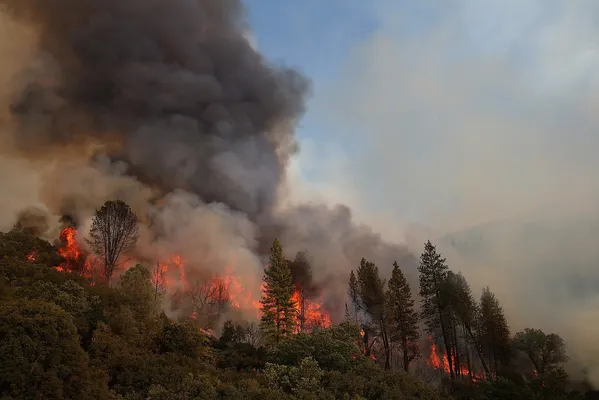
<point>176,83</point>
<point>173,111</point>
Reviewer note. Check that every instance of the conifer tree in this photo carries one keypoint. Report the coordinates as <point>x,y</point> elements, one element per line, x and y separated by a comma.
<point>301,273</point>
<point>433,276</point>
<point>494,331</point>
<point>353,292</point>
<point>466,311</point>
<point>278,311</point>
<point>448,294</point>
<point>372,300</point>
<point>403,318</point>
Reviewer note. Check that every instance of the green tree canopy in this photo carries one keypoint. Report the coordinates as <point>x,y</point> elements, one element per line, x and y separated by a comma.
<point>278,311</point>
<point>403,318</point>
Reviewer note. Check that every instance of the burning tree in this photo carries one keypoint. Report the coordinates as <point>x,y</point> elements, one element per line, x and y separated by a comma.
<point>208,299</point>
<point>372,300</point>
<point>403,318</point>
<point>278,308</point>
<point>433,276</point>
<point>114,231</point>
<point>310,312</point>
<point>159,283</point>
<point>301,272</point>
<point>465,311</point>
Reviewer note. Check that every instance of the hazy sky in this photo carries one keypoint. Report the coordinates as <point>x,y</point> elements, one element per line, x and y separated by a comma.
<point>433,116</point>
<point>443,113</point>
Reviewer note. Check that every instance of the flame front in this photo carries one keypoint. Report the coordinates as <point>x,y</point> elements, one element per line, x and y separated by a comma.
<point>170,275</point>
<point>310,312</point>
<point>442,364</point>
<point>76,260</point>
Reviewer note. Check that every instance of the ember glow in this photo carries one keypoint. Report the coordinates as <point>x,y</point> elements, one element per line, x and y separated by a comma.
<point>32,257</point>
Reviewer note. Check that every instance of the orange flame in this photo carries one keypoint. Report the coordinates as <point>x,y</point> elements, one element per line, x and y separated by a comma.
<point>443,364</point>
<point>32,257</point>
<point>170,274</point>
<point>76,260</point>
<point>313,314</point>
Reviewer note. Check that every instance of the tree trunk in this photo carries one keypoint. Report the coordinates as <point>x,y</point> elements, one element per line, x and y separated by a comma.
<point>445,338</point>
<point>458,364</point>
<point>386,346</point>
<point>406,356</point>
<point>467,348</point>
<point>302,316</point>
<point>478,350</point>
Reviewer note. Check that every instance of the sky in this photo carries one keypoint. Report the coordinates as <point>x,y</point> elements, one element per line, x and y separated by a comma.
<point>429,118</point>
<point>478,97</point>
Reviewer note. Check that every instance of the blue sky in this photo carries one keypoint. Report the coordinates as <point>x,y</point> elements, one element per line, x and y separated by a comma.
<point>315,37</point>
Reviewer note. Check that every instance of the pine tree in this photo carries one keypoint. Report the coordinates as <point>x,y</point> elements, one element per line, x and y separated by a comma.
<point>278,311</point>
<point>466,312</point>
<point>433,276</point>
<point>403,318</point>
<point>372,300</point>
<point>353,293</point>
<point>494,331</point>
<point>301,272</point>
<point>448,294</point>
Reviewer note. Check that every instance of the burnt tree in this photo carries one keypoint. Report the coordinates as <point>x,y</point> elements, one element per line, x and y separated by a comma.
<point>114,231</point>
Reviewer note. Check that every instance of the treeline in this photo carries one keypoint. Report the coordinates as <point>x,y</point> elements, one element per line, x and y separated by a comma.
<point>68,335</point>
<point>474,335</point>
<point>65,336</point>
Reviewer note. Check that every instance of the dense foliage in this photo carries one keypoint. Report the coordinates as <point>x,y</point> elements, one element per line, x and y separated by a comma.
<point>62,337</point>
<point>480,358</point>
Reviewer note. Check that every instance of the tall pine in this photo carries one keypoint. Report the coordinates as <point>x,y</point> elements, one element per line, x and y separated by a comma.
<point>353,292</point>
<point>372,300</point>
<point>433,278</point>
<point>494,332</point>
<point>402,317</point>
<point>278,311</point>
<point>466,310</point>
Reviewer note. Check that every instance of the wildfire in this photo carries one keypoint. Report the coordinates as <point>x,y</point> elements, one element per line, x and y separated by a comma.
<point>442,364</point>
<point>310,312</point>
<point>76,260</point>
<point>435,361</point>
<point>32,257</point>
<point>170,276</point>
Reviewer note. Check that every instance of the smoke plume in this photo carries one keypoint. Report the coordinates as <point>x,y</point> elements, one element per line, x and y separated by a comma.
<point>166,105</point>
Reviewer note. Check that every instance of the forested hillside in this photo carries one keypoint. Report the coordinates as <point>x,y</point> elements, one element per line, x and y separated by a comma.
<point>68,333</point>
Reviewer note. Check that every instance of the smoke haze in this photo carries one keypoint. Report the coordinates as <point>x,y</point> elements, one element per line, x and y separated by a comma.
<point>168,106</point>
<point>479,121</point>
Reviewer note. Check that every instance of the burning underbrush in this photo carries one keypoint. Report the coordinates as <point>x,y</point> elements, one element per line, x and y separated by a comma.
<point>438,360</point>
<point>186,293</point>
